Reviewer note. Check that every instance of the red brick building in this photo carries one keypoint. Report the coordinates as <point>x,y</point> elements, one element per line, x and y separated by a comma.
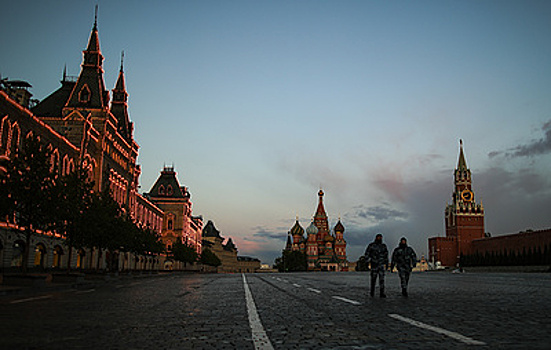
<point>464,219</point>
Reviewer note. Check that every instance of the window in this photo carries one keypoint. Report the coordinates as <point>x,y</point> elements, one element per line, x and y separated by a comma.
<point>169,190</point>
<point>84,94</point>
<point>161,190</point>
<point>169,224</point>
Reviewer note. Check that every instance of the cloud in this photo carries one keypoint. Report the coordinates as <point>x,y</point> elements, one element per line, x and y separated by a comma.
<point>535,148</point>
<point>379,213</point>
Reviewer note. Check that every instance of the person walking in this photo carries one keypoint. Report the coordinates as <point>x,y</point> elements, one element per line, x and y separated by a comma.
<point>404,258</point>
<point>376,256</point>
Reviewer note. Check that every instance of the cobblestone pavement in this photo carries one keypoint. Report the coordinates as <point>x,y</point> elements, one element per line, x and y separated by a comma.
<point>296,311</point>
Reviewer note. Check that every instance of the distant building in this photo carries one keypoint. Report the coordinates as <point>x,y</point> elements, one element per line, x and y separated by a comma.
<point>179,225</point>
<point>227,253</point>
<point>464,219</point>
<point>324,250</point>
<point>247,264</point>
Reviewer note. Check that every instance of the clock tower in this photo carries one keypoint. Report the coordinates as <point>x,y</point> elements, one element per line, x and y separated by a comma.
<point>464,218</point>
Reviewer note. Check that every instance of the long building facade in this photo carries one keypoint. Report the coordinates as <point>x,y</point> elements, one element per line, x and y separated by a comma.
<point>85,128</point>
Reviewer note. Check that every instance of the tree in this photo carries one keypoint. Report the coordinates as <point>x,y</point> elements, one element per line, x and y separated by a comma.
<point>209,258</point>
<point>26,189</point>
<point>292,261</point>
<point>73,193</point>
<point>185,253</point>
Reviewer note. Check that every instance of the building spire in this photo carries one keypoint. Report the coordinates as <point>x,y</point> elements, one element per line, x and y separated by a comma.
<point>96,18</point>
<point>122,60</point>
<point>461,164</point>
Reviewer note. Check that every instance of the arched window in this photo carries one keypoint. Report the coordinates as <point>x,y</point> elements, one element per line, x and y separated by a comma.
<point>169,190</point>
<point>169,224</point>
<point>84,94</point>
<point>161,190</point>
<point>17,253</point>
<point>58,252</point>
<point>5,136</point>
<point>15,136</point>
<point>39,255</point>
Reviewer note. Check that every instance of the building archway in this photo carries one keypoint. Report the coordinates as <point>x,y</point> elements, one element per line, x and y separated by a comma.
<point>39,255</point>
<point>80,258</point>
<point>58,253</point>
<point>17,253</point>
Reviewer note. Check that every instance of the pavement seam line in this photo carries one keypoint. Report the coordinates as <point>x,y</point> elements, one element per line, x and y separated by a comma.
<point>353,302</point>
<point>260,338</point>
<point>314,290</point>
<point>30,299</point>
<point>439,330</point>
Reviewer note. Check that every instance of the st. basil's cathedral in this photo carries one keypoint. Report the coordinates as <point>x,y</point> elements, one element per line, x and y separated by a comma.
<point>325,250</point>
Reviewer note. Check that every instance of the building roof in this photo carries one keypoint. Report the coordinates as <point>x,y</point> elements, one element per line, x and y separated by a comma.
<point>339,227</point>
<point>297,229</point>
<point>229,246</point>
<point>461,163</point>
<point>52,106</point>
<point>167,186</point>
<point>210,231</point>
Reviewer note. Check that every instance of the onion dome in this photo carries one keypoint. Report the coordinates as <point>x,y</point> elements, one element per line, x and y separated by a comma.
<point>312,229</point>
<point>297,230</point>
<point>339,227</point>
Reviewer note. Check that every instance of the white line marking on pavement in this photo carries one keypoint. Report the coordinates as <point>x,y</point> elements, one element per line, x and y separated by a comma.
<point>450,334</point>
<point>354,302</point>
<point>260,338</point>
<point>296,285</point>
<point>314,290</point>
<point>30,299</point>
<point>277,278</point>
<point>86,291</point>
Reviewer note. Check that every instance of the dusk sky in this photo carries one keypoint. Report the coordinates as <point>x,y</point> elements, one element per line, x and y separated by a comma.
<point>259,103</point>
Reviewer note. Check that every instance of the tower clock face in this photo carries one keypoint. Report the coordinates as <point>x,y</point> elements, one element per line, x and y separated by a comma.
<point>467,195</point>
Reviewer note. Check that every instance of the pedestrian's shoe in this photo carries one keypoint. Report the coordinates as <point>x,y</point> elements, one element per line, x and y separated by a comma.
<point>382,294</point>
<point>405,292</point>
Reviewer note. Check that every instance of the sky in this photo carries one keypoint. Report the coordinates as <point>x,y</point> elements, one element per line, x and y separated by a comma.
<point>258,104</point>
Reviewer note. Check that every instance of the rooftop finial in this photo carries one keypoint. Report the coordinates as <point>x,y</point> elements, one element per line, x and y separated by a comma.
<point>96,18</point>
<point>65,72</point>
<point>122,59</point>
<point>461,142</point>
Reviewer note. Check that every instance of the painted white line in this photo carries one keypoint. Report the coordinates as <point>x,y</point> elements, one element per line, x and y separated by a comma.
<point>30,299</point>
<point>260,338</point>
<point>354,302</point>
<point>296,285</point>
<point>86,291</point>
<point>277,278</point>
<point>450,334</point>
<point>315,290</point>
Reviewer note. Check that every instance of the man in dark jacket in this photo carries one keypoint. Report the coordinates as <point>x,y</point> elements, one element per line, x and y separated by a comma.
<point>404,259</point>
<point>376,255</point>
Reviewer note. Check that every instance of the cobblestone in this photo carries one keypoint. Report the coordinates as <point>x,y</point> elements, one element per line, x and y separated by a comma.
<point>506,311</point>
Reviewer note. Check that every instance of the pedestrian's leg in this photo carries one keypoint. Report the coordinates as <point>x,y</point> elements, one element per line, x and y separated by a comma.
<point>373,281</point>
<point>404,281</point>
<point>382,281</point>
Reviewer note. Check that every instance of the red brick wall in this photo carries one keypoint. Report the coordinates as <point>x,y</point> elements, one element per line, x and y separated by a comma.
<point>443,249</point>
<point>514,242</point>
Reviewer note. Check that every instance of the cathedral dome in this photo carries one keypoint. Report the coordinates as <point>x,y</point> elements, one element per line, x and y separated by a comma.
<point>329,238</point>
<point>297,230</point>
<point>339,227</point>
<point>312,229</point>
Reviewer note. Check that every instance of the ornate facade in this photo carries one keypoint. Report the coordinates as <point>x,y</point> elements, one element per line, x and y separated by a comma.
<point>324,250</point>
<point>83,127</point>
<point>464,219</point>
<point>179,224</point>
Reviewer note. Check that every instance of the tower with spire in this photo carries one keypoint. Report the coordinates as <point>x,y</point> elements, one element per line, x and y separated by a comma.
<point>81,112</point>
<point>464,218</point>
